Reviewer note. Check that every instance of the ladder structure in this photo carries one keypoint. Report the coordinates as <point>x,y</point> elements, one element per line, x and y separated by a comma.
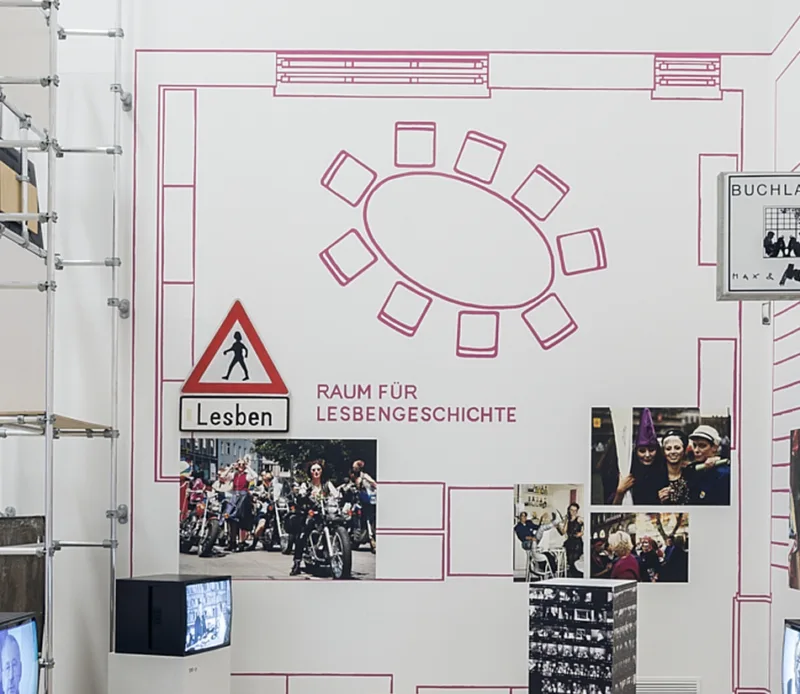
<point>40,139</point>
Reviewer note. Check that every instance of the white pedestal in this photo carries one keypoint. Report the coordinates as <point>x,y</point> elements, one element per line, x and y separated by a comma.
<point>202,673</point>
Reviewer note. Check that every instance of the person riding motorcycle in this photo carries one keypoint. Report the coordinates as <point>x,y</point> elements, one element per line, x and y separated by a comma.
<point>315,491</point>
<point>263,494</point>
<point>365,485</point>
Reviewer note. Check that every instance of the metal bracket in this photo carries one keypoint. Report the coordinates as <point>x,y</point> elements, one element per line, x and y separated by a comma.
<point>121,514</point>
<point>123,305</point>
<point>47,664</point>
<point>125,97</point>
<point>47,286</point>
<point>766,313</point>
<point>110,433</point>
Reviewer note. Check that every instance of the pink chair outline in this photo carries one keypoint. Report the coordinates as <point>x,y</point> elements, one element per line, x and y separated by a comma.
<point>476,138</point>
<point>553,303</point>
<point>409,325</point>
<point>426,127</point>
<point>337,166</point>
<point>541,172</point>
<point>346,244</point>
<point>479,319</point>
<point>596,239</point>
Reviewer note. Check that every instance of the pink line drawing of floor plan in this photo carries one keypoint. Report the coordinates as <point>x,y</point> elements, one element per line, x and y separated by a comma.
<point>543,263</point>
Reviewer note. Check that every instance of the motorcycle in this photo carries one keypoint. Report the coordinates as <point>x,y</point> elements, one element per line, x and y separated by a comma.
<point>274,535</point>
<point>360,525</point>
<point>328,544</point>
<point>201,527</point>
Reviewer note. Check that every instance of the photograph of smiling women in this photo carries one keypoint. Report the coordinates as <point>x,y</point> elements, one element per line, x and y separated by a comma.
<point>670,456</point>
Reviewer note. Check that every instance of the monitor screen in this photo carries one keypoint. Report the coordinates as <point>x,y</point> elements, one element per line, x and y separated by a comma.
<point>208,615</point>
<point>19,658</point>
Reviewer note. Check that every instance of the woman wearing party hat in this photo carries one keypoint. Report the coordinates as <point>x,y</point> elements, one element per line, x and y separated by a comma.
<point>648,469</point>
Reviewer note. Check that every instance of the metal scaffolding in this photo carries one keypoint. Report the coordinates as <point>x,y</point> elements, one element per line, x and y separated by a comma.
<point>48,423</point>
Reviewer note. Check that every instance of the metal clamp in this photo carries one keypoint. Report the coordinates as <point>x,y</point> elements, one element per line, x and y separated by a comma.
<point>125,97</point>
<point>47,286</point>
<point>120,513</point>
<point>123,305</point>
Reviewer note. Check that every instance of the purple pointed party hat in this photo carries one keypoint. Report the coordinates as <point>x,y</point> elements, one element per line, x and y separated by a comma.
<point>646,436</point>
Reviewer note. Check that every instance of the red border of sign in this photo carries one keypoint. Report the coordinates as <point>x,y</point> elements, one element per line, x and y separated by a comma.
<point>193,386</point>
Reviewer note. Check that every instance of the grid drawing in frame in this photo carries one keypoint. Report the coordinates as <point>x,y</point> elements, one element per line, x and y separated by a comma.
<point>758,240</point>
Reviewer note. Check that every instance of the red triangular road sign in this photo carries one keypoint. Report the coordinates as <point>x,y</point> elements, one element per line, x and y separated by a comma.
<point>194,385</point>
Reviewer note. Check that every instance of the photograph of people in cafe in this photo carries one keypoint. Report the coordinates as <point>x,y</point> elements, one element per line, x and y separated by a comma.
<point>678,457</point>
<point>548,531</point>
<point>644,547</point>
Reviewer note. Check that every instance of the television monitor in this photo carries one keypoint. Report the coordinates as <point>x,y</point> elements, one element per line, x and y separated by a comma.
<point>173,614</point>
<point>19,653</point>
<point>790,670</point>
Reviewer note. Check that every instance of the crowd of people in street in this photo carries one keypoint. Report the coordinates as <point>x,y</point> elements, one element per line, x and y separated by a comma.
<point>248,501</point>
<point>646,562</point>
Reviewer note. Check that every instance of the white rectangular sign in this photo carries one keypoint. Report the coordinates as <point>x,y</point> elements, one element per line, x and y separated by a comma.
<point>758,246</point>
<point>234,413</point>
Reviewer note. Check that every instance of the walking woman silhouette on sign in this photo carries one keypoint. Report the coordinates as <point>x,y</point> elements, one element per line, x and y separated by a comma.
<point>240,353</point>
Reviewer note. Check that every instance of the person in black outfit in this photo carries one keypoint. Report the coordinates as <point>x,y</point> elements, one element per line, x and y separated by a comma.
<point>573,545</point>
<point>316,491</point>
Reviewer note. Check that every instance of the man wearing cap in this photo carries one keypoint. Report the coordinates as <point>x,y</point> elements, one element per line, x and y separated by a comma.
<point>711,485</point>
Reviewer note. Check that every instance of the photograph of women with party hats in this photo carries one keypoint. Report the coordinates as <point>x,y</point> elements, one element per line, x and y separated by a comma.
<point>652,456</point>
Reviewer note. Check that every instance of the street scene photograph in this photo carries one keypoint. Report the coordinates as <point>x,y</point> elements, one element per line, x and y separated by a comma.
<point>297,509</point>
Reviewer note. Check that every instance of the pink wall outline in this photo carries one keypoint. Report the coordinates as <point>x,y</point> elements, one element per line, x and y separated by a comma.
<point>457,574</point>
<point>735,376</point>
<point>504,689</point>
<point>161,282</point>
<point>734,159</point>
<point>437,579</point>
<point>595,238</point>
<point>442,527</point>
<point>288,676</point>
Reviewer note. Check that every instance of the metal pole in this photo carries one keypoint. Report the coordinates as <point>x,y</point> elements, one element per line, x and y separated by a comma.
<point>22,419</point>
<point>115,318</point>
<point>21,115</point>
<point>5,432</point>
<point>108,33</point>
<point>22,285</point>
<point>48,660</point>
<point>34,4</point>
<point>24,145</point>
<point>22,550</point>
<point>24,179</point>
<point>96,545</point>
<point>90,150</point>
<point>18,240</point>
<point>107,262</point>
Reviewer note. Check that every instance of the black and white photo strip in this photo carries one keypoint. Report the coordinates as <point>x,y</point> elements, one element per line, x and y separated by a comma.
<point>654,456</point>
<point>582,637</point>
<point>642,547</point>
<point>548,532</point>
<point>279,508</point>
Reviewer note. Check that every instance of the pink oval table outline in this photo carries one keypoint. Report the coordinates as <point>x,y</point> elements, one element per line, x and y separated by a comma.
<point>485,189</point>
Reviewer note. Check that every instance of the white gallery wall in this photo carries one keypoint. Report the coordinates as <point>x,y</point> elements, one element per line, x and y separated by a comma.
<point>569,89</point>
